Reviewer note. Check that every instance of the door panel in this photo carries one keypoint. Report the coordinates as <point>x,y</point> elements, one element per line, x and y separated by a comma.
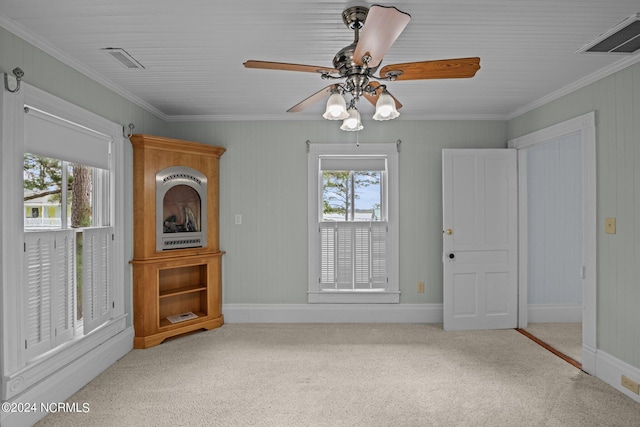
<point>480,239</point>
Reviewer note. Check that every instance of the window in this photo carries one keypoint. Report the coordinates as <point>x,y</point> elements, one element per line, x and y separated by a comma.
<point>40,331</point>
<point>67,232</point>
<point>353,224</point>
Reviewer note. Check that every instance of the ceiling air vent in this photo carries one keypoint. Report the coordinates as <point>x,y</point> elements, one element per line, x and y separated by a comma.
<point>623,38</point>
<point>123,57</point>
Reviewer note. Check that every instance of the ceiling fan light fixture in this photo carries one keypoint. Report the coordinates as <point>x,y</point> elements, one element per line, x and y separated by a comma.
<point>353,122</point>
<point>336,108</point>
<point>385,107</point>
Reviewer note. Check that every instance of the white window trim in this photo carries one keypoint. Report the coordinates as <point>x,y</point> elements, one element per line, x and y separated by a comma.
<point>16,373</point>
<point>315,293</point>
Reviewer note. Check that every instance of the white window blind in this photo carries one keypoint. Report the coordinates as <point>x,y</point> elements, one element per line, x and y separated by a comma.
<point>353,255</point>
<point>50,136</point>
<point>360,163</point>
<point>49,291</point>
<point>96,283</point>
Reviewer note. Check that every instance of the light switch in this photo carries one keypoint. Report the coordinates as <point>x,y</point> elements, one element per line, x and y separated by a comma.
<point>238,219</point>
<point>610,225</point>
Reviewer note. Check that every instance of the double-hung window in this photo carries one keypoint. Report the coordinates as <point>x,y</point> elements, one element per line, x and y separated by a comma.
<point>353,223</point>
<point>68,233</point>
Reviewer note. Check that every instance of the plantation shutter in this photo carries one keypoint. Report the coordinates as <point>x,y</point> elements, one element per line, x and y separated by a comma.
<point>327,255</point>
<point>64,296</point>
<point>49,290</point>
<point>353,255</point>
<point>379,231</point>
<point>344,255</point>
<point>96,279</point>
<point>38,269</point>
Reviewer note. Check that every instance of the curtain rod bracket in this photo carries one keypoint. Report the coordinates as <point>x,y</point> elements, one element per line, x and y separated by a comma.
<point>131,127</point>
<point>19,75</point>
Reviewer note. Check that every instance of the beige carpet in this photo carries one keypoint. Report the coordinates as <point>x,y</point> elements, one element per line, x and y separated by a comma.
<point>564,337</point>
<point>347,375</point>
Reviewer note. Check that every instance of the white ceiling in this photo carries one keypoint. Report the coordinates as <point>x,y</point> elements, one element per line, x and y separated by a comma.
<point>193,51</point>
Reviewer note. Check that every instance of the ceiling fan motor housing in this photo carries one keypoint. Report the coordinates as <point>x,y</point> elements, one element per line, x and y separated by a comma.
<point>357,76</point>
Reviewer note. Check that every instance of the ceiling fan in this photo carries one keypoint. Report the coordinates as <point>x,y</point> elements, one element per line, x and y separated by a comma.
<point>375,30</point>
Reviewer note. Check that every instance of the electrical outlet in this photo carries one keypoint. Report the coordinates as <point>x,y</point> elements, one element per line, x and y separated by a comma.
<point>238,219</point>
<point>610,225</point>
<point>630,384</point>
<point>420,287</point>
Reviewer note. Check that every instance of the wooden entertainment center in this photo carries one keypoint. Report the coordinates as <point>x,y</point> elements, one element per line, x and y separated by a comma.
<point>172,285</point>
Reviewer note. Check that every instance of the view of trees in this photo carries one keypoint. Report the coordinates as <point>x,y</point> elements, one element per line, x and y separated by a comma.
<point>341,190</point>
<point>43,177</point>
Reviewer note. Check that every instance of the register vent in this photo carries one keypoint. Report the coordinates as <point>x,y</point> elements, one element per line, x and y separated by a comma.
<point>123,57</point>
<point>623,38</point>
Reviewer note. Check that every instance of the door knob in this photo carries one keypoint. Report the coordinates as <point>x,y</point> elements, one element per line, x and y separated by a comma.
<point>449,232</point>
<point>451,256</point>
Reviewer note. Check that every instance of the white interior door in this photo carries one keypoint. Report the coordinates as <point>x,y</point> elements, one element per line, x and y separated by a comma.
<point>480,227</point>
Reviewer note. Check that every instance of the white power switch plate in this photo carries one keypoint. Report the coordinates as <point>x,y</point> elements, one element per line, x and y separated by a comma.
<point>238,219</point>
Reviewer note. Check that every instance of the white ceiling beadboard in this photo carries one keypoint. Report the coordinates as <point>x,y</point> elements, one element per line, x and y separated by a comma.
<point>193,51</point>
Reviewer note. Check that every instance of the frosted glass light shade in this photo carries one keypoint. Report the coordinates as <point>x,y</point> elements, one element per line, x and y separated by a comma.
<point>353,122</point>
<point>385,108</point>
<point>336,108</point>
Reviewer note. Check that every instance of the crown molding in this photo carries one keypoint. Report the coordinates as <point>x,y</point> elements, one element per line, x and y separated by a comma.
<point>623,63</point>
<point>316,117</point>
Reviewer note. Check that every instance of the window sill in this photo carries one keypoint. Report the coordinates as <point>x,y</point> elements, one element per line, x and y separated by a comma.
<point>354,297</point>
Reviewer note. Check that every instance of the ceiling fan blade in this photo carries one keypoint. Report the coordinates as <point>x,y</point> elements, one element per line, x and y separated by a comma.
<point>382,26</point>
<point>265,65</point>
<point>374,99</point>
<point>440,69</point>
<point>319,95</point>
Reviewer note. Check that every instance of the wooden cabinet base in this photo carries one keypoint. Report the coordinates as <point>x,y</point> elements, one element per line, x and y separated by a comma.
<point>158,338</point>
<point>168,291</point>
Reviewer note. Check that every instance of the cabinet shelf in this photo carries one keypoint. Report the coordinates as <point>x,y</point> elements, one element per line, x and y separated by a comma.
<point>180,291</point>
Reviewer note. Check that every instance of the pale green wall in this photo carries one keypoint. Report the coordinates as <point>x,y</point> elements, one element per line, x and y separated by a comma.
<point>616,101</point>
<point>264,178</point>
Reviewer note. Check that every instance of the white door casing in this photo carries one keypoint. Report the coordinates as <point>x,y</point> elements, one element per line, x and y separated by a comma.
<point>480,229</point>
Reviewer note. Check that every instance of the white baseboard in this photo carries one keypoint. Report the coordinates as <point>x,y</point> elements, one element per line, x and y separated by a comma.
<point>554,313</point>
<point>65,382</point>
<point>332,313</point>
<point>610,370</point>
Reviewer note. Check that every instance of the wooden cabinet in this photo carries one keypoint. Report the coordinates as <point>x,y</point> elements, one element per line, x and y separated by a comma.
<point>179,290</point>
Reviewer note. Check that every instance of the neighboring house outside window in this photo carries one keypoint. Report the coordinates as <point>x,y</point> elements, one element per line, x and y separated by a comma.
<point>353,223</point>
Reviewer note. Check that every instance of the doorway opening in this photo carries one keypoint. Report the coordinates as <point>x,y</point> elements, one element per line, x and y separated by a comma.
<point>557,229</point>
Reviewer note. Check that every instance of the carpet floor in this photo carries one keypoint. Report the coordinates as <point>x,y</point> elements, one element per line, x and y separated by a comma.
<point>347,375</point>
